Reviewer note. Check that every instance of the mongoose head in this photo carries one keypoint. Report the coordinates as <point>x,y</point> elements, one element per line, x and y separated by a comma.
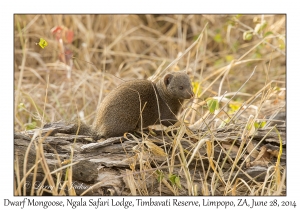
<point>178,85</point>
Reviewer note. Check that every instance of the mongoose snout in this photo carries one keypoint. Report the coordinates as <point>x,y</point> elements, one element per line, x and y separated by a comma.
<point>139,103</point>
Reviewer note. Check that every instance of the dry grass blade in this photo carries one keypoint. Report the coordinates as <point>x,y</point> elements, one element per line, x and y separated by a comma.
<point>155,149</point>
<point>131,182</point>
<point>211,163</point>
<point>238,180</point>
<point>277,166</point>
<point>186,51</point>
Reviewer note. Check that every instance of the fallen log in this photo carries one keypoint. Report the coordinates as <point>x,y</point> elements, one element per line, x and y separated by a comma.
<point>144,163</point>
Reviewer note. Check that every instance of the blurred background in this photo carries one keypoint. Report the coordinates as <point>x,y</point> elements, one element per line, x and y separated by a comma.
<point>64,65</point>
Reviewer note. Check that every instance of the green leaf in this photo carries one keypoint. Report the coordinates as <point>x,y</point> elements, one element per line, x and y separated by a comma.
<point>281,44</point>
<point>258,125</point>
<point>213,104</point>
<point>268,33</point>
<point>248,35</point>
<point>175,180</point>
<point>218,38</point>
<point>276,88</point>
<point>160,175</point>
<point>234,106</point>
<point>43,43</point>
<point>31,126</point>
<point>229,58</point>
<point>196,86</point>
<point>172,178</point>
<point>21,106</point>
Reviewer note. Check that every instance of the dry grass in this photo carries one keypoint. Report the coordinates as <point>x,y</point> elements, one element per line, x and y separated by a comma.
<point>107,49</point>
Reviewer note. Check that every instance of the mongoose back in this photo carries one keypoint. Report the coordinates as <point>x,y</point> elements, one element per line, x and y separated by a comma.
<point>139,103</point>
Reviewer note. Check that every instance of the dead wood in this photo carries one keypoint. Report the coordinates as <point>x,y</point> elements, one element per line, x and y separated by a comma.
<point>108,167</point>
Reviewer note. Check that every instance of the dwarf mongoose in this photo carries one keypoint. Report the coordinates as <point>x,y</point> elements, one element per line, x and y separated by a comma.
<point>121,109</point>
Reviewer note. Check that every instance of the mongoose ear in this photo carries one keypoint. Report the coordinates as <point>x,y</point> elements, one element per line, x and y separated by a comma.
<point>167,79</point>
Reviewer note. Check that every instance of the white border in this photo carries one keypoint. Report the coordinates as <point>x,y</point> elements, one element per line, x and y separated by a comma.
<point>8,8</point>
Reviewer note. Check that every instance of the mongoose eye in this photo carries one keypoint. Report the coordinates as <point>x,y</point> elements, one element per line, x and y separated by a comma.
<point>180,87</point>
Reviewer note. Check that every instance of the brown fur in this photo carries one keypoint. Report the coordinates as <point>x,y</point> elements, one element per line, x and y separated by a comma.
<point>159,103</point>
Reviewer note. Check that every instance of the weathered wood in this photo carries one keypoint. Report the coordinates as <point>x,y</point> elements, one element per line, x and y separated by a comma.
<point>113,162</point>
